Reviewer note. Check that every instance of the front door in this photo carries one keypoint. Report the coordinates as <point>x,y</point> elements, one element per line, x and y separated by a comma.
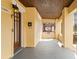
<point>17,30</point>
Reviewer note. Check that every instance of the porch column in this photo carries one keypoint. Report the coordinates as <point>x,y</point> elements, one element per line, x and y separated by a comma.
<point>68,29</point>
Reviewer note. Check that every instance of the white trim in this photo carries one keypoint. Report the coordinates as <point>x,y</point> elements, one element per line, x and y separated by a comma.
<point>18,51</point>
<point>19,5</point>
<point>46,39</point>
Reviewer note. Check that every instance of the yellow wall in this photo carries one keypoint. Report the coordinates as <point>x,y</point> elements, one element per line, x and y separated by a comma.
<point>6,29</point>
<point>46,35</point>
<point>68,36</point>
<point>58,29</point>
<point>6,4</point>
<point>38,28</point>
<point>7,36</point>
<point>23,33</point>
<point>32,34</point>
<point>29,17</point>
<point>68,30</point>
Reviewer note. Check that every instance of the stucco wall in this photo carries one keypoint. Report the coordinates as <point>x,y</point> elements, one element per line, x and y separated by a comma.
<point>6,29</point>
<point>33,32</point>
<point>38,28</point>
<point>68,35</point>
<point>58,28</point>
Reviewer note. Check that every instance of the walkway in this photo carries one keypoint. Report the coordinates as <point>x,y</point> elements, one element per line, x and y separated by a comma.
<point>45,50</point>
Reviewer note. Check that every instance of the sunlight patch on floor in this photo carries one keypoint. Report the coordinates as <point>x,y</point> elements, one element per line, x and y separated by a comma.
<point>75,56</point>
<point>60,44</point>
<point>46,39</point>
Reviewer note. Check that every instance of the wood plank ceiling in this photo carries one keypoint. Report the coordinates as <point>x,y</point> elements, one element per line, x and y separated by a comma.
<point>48,9</point>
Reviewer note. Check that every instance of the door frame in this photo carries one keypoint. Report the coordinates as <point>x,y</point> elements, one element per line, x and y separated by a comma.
<point>19,27</point>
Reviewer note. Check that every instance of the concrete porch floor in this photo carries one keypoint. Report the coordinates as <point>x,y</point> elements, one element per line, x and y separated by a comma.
<point>45,50</point>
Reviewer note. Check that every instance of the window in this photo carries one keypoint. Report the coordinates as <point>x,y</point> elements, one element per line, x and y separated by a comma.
<point>75,29</point>
<point>48,27</point>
